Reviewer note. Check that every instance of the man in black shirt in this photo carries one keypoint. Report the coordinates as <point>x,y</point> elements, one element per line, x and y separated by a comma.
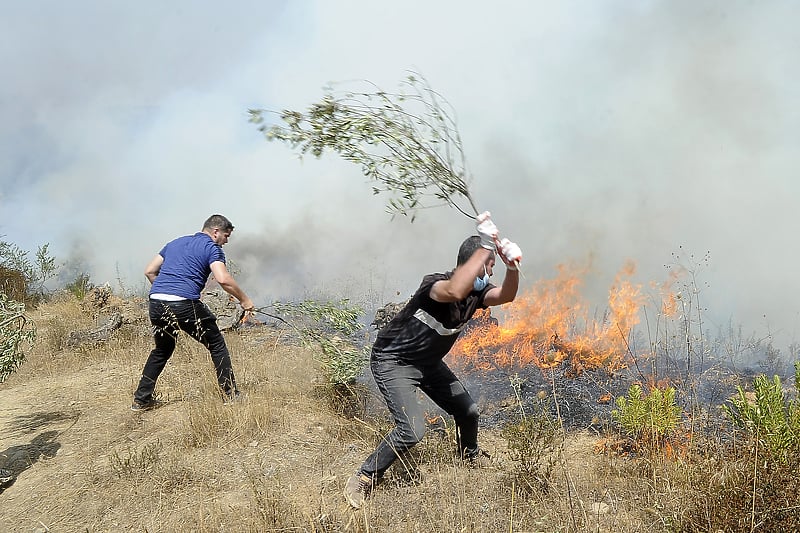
<point>408,352</point>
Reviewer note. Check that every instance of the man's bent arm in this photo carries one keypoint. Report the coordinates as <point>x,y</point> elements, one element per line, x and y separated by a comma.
<point>506,292</point>
<point>459,286</point>
<point>153,268</point>
<point>226,281</point>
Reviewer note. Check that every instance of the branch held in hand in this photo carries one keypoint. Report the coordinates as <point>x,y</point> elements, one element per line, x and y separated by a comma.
<point>406,143</point>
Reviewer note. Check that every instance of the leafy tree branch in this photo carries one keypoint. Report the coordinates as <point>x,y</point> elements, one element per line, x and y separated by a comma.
<point>406,143</point>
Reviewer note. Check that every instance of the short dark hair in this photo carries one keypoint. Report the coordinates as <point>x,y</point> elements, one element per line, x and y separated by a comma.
<point>467,248</point>
<point>218,222</point>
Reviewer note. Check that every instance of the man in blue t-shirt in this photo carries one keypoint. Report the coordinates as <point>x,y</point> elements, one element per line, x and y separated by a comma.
<point>178,274</point>
<point>407,355</point>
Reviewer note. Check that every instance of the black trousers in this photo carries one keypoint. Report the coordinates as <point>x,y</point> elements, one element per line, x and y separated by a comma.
<point>399,383</point>
<point>197,320</point>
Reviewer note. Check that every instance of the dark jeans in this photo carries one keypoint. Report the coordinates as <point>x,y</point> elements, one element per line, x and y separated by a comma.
<point>399,382</point>
<point>196,319</point>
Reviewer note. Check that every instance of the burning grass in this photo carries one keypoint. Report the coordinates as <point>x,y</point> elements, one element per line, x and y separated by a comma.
<point>278,460</point>
<point>547,326</point>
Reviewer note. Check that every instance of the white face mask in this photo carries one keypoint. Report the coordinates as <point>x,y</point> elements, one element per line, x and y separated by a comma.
<point>480,283</point>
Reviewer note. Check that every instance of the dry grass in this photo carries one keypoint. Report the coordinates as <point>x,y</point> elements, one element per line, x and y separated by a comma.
<point>278,460</point>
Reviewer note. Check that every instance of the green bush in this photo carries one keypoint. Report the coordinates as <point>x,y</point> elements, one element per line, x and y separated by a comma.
<point>648,419</point>
<point>15,331</point>
<point>333,327</point>
<point>35,272</point>
<point>768,417</point>
<point>80,286</point>
<point>341,360</point>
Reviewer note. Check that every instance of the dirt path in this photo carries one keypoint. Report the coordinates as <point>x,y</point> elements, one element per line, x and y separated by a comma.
<point>47,425</point>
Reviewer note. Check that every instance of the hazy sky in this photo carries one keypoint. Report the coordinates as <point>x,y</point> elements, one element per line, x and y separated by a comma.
<point>597,133</point>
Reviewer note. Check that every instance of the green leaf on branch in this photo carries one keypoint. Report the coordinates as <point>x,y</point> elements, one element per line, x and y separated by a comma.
<point>336,317</point>
<point>15,332</point>
<point>648,418</point>
<point>768,416</point>
<point>332,326</point>
<point>406,142</point>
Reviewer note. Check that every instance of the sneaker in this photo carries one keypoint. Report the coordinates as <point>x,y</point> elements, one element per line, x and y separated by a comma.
<point>5,476</point>
<point>357,489</point>
<point>139,407</point>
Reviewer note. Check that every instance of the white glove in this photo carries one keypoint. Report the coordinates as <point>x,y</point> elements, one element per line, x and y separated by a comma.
<point>510,253</point>
<point>487,230</point>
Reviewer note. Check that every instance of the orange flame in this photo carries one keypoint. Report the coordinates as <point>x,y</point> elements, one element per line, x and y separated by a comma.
<point>669,299</point>
<point>548,325</point>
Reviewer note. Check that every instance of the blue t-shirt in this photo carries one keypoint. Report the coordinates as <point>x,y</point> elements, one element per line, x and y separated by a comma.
<point>187,265</point>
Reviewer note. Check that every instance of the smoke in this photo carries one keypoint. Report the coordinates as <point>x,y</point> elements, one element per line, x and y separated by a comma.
<point>596,132</point>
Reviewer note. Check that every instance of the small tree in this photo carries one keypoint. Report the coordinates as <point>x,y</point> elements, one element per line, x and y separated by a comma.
<point>333,326</point>
<point>14,262</point>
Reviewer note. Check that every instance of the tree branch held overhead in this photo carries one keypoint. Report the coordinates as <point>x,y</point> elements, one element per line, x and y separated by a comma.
<point>406,143</point>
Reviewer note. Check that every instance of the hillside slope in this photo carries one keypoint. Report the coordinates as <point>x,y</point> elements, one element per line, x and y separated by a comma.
<point>275,462</point>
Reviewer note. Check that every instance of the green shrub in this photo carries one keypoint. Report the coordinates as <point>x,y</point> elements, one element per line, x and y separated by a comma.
<point>341,360</point>
<point>649,419</point>
<point>35,272</point>
<point>333,327</point>
<point>80,286</point>
<point>15,331</point>
<point>768,417</point>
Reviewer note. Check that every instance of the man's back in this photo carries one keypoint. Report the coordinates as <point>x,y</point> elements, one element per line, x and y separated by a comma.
<point>187,265</point>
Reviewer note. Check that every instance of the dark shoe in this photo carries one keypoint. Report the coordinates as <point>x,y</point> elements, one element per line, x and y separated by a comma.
<point>6,476</point>
<point>478,459</point>
<point>146,406</point>
<point>357,489</point>
<point>236,397</point>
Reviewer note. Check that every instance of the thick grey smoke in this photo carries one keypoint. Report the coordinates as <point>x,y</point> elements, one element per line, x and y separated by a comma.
<point>597,132</point>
